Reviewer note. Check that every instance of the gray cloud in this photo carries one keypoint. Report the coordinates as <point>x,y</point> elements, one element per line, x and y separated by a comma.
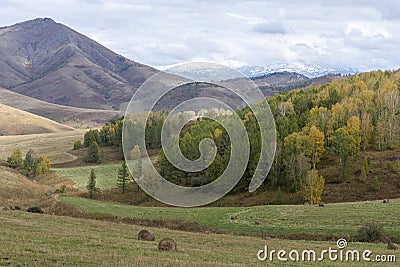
<point>275,27</point>
<point>353,33</point>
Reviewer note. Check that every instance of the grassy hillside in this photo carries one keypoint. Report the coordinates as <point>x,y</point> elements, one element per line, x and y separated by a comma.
<point>44,240</point>
<point>75,117</point>
<point>281,220</point>
<point>18,122</point>
<point>16,189</point>
<point>53,145</point>
<point>106,175</point>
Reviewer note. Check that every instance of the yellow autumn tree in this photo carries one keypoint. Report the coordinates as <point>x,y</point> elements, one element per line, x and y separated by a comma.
<point>314,144</point>
<point>313,186</point>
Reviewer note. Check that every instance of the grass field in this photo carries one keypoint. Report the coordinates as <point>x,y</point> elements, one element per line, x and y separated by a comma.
<point>106,175</point>
<point>53,145</point>
<point>332,220</point>
<point>44,240</point>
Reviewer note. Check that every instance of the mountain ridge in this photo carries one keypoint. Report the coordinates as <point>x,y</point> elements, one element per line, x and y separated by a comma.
<point>49,61</point>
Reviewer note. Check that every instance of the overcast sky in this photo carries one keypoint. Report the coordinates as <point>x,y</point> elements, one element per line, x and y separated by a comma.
<point>363,35</point>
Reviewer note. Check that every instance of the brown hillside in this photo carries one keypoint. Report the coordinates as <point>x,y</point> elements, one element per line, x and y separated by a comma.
<point>49,61</point>
<point>17,122</point>
<point>16,189</point>
<point>71,116</point>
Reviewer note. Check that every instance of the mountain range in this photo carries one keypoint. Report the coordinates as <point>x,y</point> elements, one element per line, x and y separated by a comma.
<point>310,71</point>
<point>48,64</point>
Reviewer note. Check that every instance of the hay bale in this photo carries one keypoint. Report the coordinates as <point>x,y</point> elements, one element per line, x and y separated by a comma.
<point>321,204</point>
<point>146,235</point>
<point>257,222</point>
<point>233,218</point>
<point>392,246</point>
<point>167,244</point>
<point>385,200</point>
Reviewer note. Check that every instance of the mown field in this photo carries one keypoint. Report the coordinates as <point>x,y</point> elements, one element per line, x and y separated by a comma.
<point>341,220</point>
<point>53,145</point>
<point>106,175</point>
<point>44,240</point>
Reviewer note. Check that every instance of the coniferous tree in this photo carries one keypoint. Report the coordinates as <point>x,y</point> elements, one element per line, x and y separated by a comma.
<point>93,154</point>
<point>123,177</point>
<point>91,185</point>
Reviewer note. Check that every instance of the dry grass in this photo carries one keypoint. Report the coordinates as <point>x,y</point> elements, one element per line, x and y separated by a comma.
<point>72,116</point>
<point>16,189</point>
<point>53,145</point>
<point>18,122</point>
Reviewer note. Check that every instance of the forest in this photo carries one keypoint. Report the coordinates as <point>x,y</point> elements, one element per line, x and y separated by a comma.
<point>338,119</point>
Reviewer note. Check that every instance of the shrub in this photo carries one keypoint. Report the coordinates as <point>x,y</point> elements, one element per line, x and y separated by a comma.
<point>35,210</point>
<point>77,145</point>
<point>371,232</point>
<point>61,189</point>
<point>278,198</point>
<point>15,160</point>
<point>376,185</point>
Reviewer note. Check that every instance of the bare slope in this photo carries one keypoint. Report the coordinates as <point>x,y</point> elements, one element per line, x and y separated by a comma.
<point>75,117</point>
<point>16,189</point>
<point>18,122</point>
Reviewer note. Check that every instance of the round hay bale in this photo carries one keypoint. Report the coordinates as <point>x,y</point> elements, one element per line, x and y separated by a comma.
<point>392,246</point>
<point>257,222</point>
<point>146,235</point>
<point>233,218</point>
<point>386,200</point>
<point>321,204</point>
<point>167,244</point>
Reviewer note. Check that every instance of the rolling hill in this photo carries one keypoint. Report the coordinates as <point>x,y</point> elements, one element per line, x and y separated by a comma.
<point>17,122</point>
<point>16,189</point>
<point>71,116</point>
<point>51,62</point>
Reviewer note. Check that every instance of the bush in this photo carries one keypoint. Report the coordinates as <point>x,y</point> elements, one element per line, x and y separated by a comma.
<point>376,185</point>
<point>24,172</point>
<point>371,232</point>
<point>278,197</point>
<point>35,210</point>
<point>61,189</point>
<point>77,145</point>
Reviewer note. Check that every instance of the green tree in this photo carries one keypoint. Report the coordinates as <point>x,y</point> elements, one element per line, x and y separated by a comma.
<point>29,160</point>
<point>123,177</point>
<point>341,148</point>
<point>15,160</point>
<point>93,154</point>
<point>91,185</point>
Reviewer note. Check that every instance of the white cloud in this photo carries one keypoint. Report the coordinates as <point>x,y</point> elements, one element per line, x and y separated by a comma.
<point>354,33</point>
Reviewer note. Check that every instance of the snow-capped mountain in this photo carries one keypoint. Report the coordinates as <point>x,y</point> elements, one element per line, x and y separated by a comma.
<point>311,71</point>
